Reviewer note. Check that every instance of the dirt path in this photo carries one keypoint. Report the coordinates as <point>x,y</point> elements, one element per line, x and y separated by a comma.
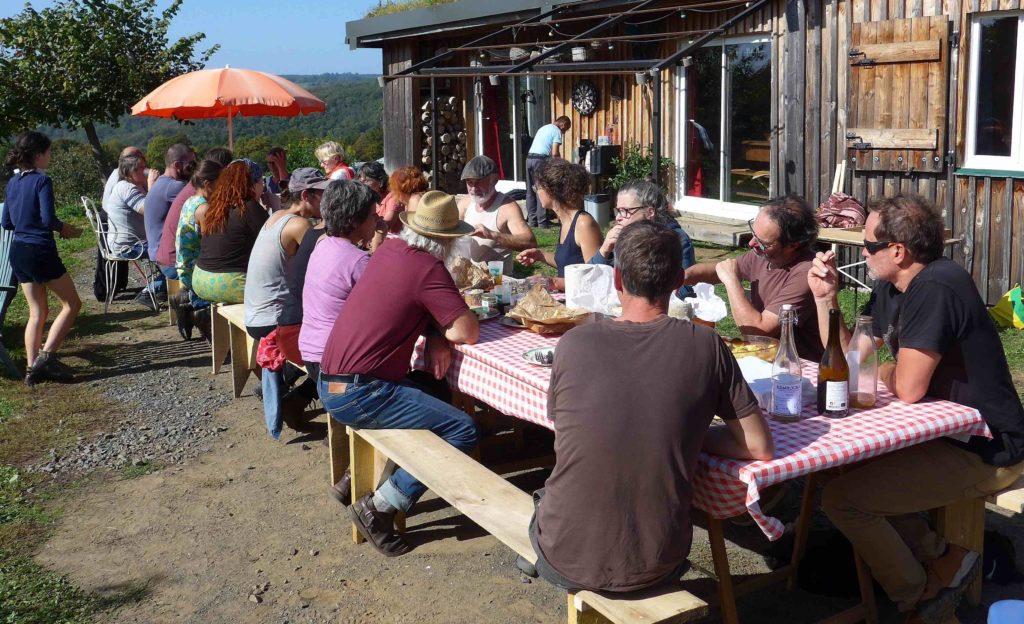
<point>240,529</point>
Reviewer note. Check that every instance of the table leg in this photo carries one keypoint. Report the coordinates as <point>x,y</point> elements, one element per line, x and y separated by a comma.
<point>963,523</point>
<point>726,594</point>
<point>867,590</point>
<point>803,527</point>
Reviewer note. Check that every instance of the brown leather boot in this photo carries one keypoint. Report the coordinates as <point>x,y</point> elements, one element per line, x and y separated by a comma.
<point>342,490</point>
<point>378,527</point>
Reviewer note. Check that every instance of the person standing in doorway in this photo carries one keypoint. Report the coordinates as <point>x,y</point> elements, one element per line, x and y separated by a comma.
<point>547,143</point>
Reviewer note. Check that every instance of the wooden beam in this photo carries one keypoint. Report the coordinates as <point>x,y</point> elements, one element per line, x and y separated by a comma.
<point>896,138</point>
<point>898,52</point>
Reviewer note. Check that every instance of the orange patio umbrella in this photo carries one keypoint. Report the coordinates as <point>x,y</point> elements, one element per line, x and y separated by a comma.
<point>227,92</point>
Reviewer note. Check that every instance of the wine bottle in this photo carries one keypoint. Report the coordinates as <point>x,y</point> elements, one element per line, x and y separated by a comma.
<point>833,374</point>
<point>787,381</point>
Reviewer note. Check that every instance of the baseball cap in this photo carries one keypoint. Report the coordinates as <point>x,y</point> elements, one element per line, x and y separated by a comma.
<point>479,167</point>
<point>307,178</point>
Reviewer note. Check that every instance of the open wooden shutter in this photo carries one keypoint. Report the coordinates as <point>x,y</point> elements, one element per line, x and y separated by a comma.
<point>898,88</point>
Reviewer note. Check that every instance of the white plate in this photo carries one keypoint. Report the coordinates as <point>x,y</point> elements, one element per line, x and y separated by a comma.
<point>539,356</point>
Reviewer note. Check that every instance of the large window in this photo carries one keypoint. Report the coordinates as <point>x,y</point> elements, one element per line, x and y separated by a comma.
<point>995,108</point>
<point>725,122</point>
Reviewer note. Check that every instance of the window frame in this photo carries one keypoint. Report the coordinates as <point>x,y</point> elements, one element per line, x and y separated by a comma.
<point>718,207</point>
<point>1015,161</point>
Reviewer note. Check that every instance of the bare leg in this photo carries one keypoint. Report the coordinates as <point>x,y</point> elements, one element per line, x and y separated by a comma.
<point>38,310</point>
<point>71,304</point>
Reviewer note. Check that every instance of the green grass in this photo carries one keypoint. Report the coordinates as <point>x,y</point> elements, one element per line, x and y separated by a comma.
<point>133,472</point>
<point>387,7</point>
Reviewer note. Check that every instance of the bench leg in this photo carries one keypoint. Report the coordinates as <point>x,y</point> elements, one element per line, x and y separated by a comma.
<point>173,288</point>
<point>726,593</point>
<point>336,441</point>
<point>360,461</point>
<point>241,357</point>
<point>581,613</point>
<point>963,523</point>
<point>221,338</point>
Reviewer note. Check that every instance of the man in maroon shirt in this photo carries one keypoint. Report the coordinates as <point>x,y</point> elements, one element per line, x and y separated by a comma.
<point>405,292</point>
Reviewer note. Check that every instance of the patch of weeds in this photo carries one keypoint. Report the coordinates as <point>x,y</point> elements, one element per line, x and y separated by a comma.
<point>213,484</point>
<point>14,507</point>
<point>134,471</point>
<point>7,408</point>
<point>30,593</point>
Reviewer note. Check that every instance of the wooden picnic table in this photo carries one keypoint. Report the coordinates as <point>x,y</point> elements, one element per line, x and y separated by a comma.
<point>494,372</point>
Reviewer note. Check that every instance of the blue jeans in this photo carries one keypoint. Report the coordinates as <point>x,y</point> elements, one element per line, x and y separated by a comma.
<point>381,404</point>
<point>273,390</point>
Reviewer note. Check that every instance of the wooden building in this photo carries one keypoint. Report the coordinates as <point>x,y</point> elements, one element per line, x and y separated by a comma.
<point>923,96</point>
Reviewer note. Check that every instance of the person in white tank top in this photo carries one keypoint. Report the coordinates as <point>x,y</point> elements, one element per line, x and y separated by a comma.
<point>500,226</point>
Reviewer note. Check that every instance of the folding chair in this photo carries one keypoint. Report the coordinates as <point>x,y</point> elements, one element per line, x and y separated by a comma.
<point>100,228</point>
<point>8,290</point>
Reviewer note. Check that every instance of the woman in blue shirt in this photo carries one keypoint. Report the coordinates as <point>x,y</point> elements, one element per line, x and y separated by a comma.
<point>30,212</point>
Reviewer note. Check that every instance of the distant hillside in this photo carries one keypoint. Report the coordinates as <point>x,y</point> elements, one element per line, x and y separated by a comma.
<point>354,106</point>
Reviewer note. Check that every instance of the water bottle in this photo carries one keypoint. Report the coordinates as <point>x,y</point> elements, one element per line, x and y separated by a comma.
<point>787,381</point>
<point>862,358</point>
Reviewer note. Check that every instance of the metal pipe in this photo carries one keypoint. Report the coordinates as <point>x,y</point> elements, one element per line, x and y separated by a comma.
<point>433,134</point>
<point>656,126</point>
<point>667,35</point>
<point>605,25</point>
<point>676,57</point>
<point>430,62</point>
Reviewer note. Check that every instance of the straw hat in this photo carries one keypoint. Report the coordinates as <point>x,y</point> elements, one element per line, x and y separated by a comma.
<point>436,217</point>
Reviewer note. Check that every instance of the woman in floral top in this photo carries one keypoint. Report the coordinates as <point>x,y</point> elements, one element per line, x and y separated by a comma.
<point>188,229</point>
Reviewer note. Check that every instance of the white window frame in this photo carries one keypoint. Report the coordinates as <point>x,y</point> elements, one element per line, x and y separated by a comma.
<point>1015,161</point>
<point>704,205</point>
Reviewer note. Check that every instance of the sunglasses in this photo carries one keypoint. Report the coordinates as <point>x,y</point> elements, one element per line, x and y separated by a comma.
<point>874,247</point>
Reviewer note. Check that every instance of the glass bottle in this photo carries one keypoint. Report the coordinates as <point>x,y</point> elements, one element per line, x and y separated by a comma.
<point>787,381</point>
<point>833,374</point>
<point>862,358</point>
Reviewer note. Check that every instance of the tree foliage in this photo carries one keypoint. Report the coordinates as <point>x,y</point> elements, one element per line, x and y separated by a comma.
<point>81,63</point>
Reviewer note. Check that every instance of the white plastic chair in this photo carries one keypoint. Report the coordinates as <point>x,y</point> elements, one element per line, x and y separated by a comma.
<point>100,228</point>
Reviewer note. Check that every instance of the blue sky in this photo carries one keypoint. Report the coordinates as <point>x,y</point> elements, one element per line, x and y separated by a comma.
<point>276,36</point>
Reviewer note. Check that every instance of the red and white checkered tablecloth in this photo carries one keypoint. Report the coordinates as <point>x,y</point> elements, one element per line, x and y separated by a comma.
<point>494,372</point>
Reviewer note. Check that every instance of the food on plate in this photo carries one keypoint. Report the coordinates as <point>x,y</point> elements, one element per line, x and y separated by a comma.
<point>540,313</point>
<point>470,275</point>
<point>753,346</point>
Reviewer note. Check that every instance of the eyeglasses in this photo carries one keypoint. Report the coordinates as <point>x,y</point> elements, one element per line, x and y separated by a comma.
<point>874,247</point>
<point>761,245</point>
<point>628,212</point>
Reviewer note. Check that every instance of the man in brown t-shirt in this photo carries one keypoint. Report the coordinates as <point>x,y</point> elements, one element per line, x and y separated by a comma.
<point>781,253</point>
<point>632,399</point>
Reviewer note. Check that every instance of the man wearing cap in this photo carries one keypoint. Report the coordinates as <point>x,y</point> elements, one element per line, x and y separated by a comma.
<point>547,143</point>
<point>499,227</point>
<point>266,285</point>
<point>404,293</point>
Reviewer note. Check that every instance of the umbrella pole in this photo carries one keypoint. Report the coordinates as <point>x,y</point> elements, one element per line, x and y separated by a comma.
<point>231,138</point>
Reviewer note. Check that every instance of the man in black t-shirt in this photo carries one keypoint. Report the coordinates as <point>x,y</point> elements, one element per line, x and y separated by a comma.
<point>928,312</point>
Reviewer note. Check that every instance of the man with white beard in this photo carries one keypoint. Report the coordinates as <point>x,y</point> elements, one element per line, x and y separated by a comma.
<point>499,226</point>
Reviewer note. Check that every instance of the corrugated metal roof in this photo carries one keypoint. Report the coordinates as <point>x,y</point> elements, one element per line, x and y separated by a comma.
<point>373,32</point>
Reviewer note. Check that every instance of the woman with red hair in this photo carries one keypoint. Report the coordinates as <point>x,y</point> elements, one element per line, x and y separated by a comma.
<point>405,186</point>
<point>229,222</point>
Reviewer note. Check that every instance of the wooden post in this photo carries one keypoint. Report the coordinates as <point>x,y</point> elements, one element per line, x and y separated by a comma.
<point>963,523</point>
<point>581,613</point>
<point>335,442</point>
<point>173,288</point>
<point>241,358</point>
<point>219,337</point>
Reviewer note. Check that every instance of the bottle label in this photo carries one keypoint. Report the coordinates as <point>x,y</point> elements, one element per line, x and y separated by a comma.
<point>837,395</point>
<point>787,397</point>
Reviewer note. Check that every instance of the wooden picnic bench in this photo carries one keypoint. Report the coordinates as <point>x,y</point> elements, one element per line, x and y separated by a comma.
<point>498,507</point>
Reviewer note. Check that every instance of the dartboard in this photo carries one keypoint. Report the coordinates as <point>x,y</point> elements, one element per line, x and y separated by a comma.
<point>584,97</point>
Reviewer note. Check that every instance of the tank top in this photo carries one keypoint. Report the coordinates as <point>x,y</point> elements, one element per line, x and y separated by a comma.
<point>266,285</point>
<point>482,249</point>
<point>568,252</point>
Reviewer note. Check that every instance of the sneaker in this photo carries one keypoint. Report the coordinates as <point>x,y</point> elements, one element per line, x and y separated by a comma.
<point>48,368</point>
<point>526,567</point>
<point>378,527</point>
<point>145,300</point>
<point>948,577</point>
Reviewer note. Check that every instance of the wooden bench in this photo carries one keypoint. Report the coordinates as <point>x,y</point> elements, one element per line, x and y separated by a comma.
<point>228,328</point>
<point>498,507</point>
<point>173,288</point>
<point>1011,499</point>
